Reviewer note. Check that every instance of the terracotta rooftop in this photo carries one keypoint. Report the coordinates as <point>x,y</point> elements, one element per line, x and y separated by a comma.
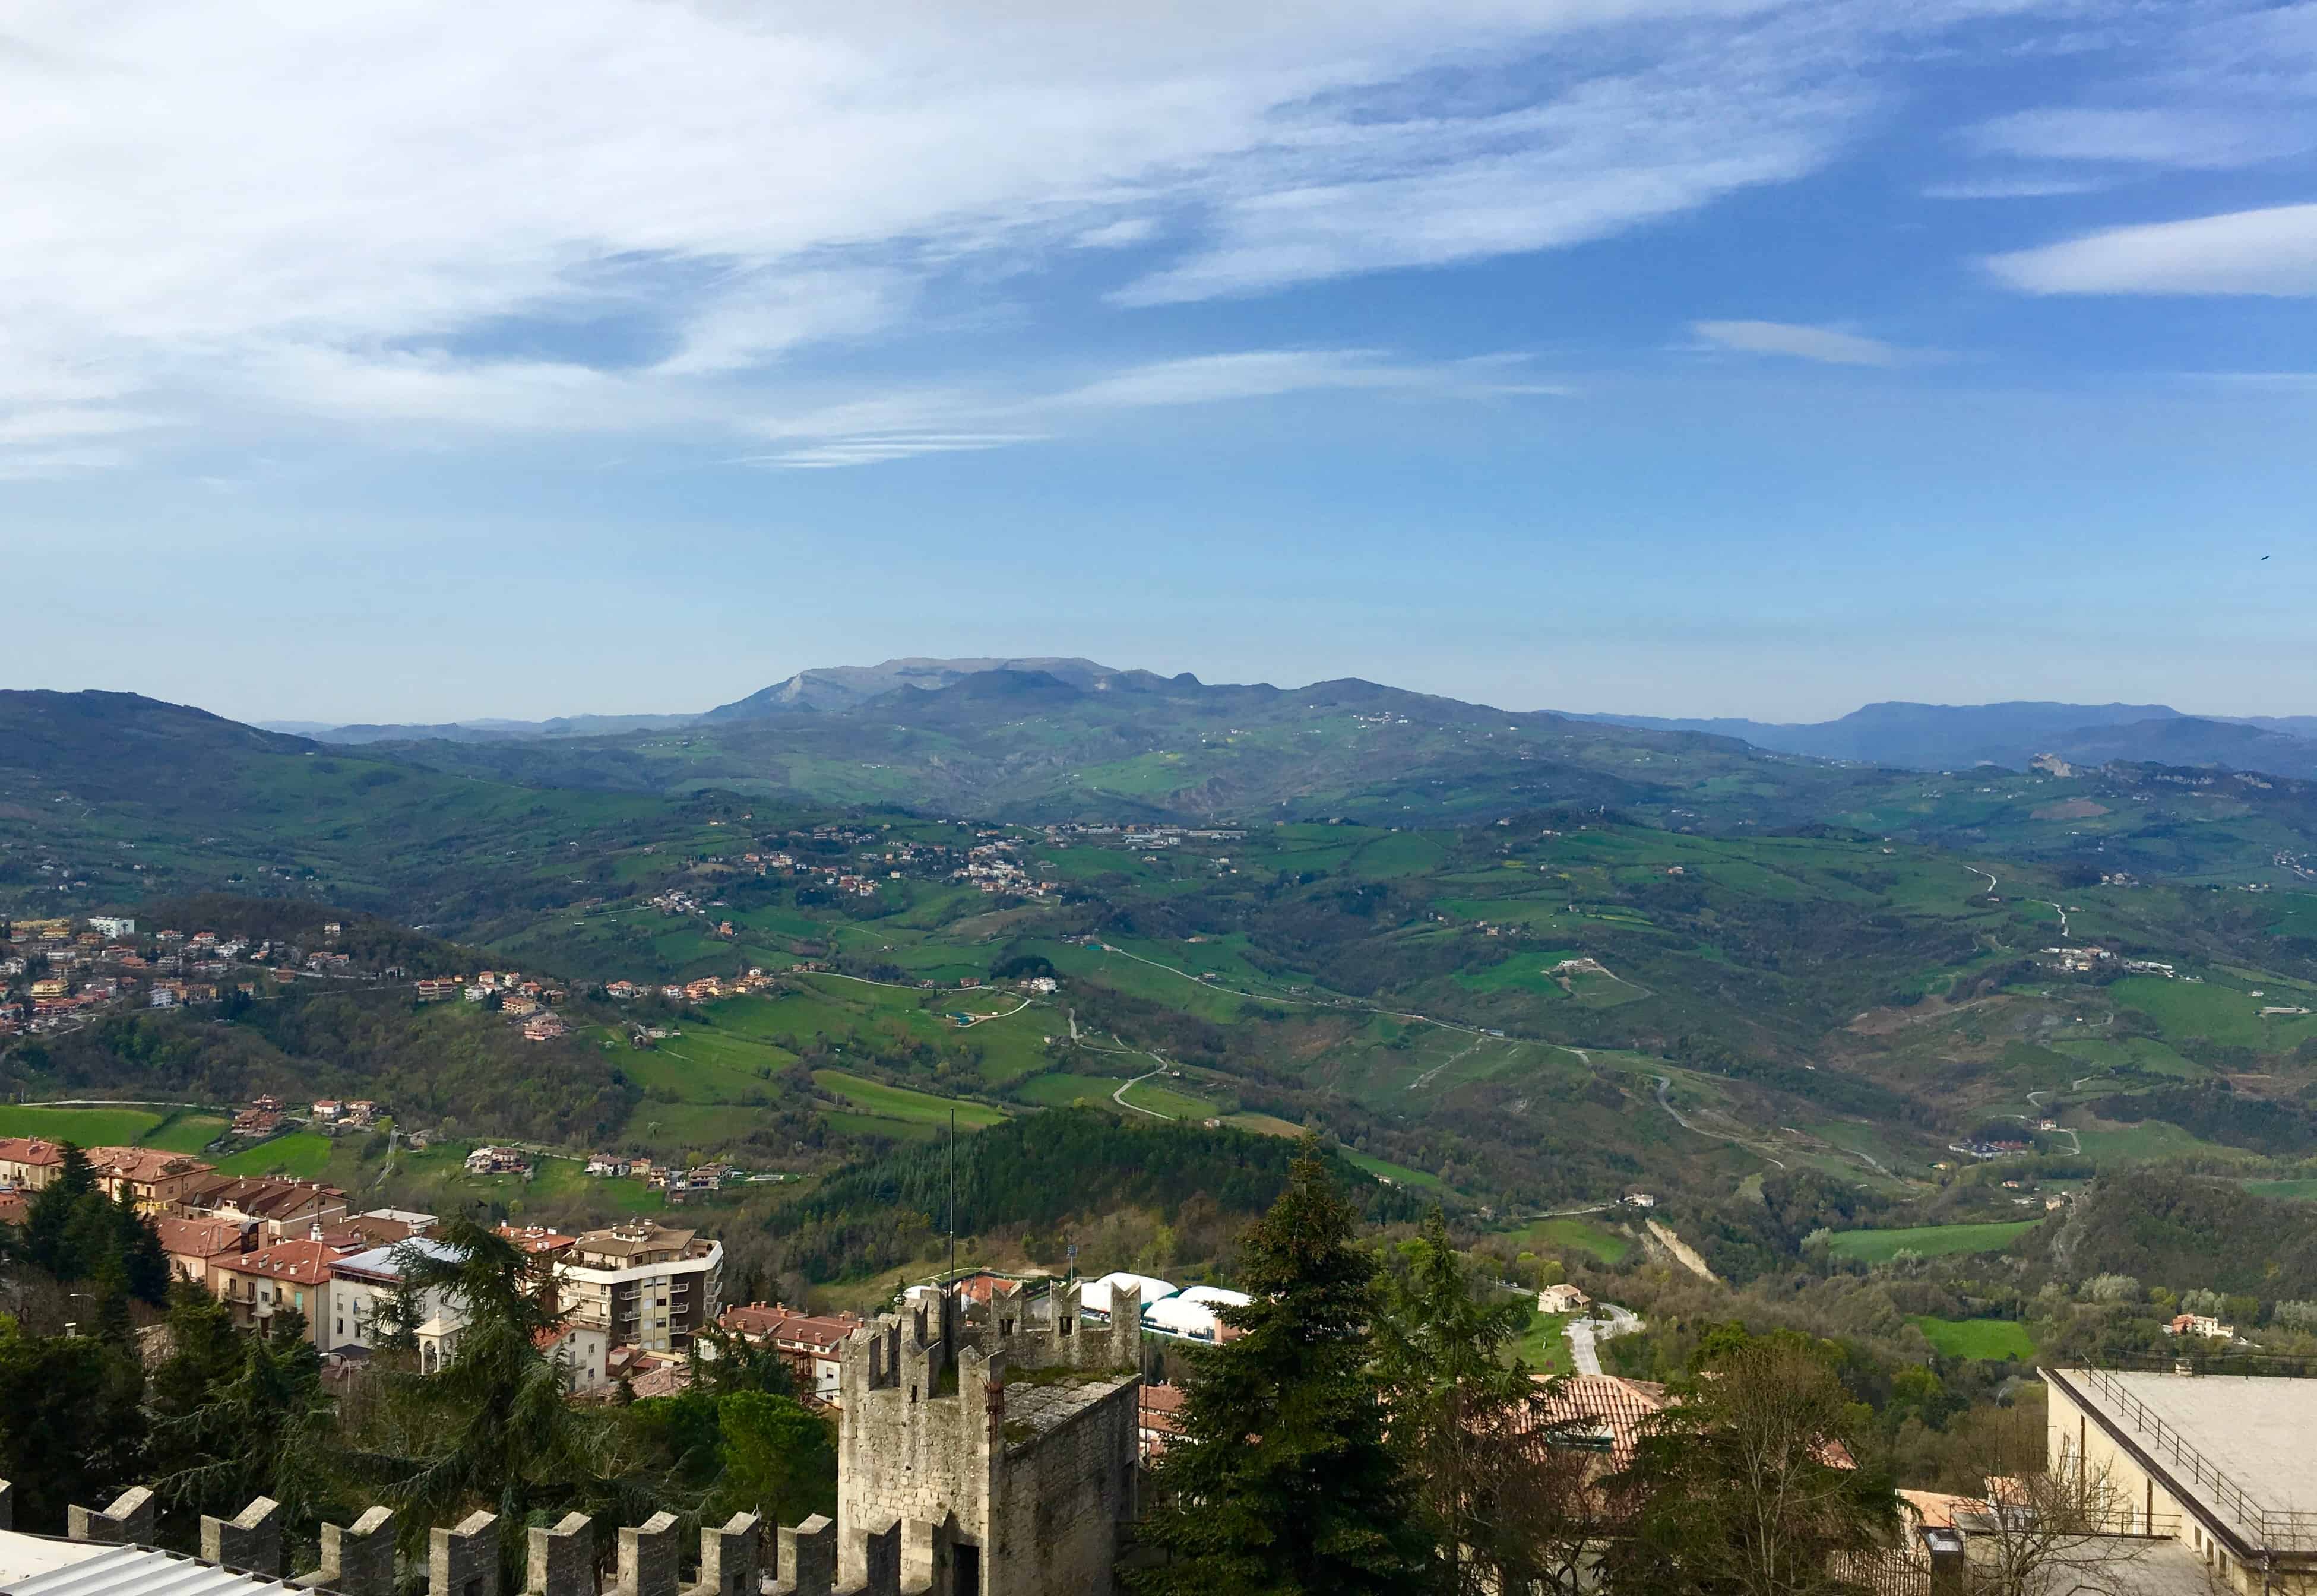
<point>144,1163</point>
<point>303,1263</point>
<point>198,1238</point>
<point>30,1149</point>
<point>786,1327</point>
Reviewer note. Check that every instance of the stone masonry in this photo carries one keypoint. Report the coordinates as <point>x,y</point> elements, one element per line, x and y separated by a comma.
<point>1002,1446</point>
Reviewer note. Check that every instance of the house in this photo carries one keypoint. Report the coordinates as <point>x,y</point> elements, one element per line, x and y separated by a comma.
<point>705,989</point>
<point>539,1242</point>
<point>1561,1299</point>
<point>155,1181</point>
<point>29,1163</point>
<point>498,1160</point>
<point>809,1343</point>
<point>622,991</point>
<point>195,1246</point>
<point>607,1163</point>
<point>1641,1200</point>
<point>1161,1419</point>
<point>328,1110</point>
<point>2200,1324</point>
<point>543,1027</point>
<point>364,1282</point>
<point>288,1276</point>
<point>648,1285</point>
<point>280,1209</point>
<point>581,1354</point>
<point>516,1008</point>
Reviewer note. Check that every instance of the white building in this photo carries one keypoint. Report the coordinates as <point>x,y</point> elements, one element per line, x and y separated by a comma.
<point>2221,1464</point>
<point>363,1284</point>
<point>111,928</point>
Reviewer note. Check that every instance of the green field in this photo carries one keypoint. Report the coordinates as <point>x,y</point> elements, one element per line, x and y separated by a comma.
<point>1993,1339</point>
<point>1060,1090</point>
<point>2296,1191</point>
<point>1399,1174</point>
<point>173,1130</point>
<point>1929,1241</point>
<point>1574,1234</point>
<point>1543,1346</point>
<point>302,1154</point>
<point>1165,1100</point>
<point>899,1103</point>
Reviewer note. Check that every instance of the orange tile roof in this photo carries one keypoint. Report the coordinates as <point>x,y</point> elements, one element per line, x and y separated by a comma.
<point>198,1238</point>
<point>30,1149</point>
<point>303,1263</point>
<point>144,1165</point>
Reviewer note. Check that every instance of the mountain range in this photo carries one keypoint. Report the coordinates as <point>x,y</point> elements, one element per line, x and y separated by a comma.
<point>1900,735</point>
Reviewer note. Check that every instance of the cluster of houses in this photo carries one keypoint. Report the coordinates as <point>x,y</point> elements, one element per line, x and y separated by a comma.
<point>632,1297</point>
<point>2089,960</point>
<point>524,1002</point>
<point>69,969</point>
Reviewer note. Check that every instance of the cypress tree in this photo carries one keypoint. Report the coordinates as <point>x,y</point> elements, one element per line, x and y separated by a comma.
<point>1281,1482</point>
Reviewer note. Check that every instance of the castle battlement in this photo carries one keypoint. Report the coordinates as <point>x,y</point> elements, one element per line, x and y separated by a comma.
<point>1001,1437</point>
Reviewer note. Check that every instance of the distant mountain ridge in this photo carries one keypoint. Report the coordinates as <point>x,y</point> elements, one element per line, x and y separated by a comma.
<point>1898,734</point>
<point>1958,736</point>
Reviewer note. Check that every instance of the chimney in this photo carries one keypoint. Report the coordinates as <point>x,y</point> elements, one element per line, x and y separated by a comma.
<point>251,1540</point>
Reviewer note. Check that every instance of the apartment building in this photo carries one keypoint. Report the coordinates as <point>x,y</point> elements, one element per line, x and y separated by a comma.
<point>646,1286</point>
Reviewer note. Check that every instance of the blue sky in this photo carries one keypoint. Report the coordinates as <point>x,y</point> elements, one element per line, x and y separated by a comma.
<point>1671,356</point>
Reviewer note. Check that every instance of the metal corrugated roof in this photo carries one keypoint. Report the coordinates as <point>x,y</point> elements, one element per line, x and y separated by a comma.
<point>140,1571</point>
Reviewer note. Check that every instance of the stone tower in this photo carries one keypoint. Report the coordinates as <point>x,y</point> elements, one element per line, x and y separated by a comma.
<point>1003,1446</point>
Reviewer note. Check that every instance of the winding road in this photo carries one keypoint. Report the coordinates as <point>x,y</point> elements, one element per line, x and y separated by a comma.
<point>2055,909</point>
<point>1119,1096</point>
<point>1975,871</point>
<point>1586,1334</point>
<point>1665,1085</point>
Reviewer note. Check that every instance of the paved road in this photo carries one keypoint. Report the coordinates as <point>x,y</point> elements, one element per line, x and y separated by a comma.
<point>1586,1335</point>
<point>1975,871</point>
<point>1119,1096</point>
<point>2055,909</point>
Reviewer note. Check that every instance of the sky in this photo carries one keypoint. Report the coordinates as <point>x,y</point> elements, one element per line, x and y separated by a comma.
<point>412,361</point>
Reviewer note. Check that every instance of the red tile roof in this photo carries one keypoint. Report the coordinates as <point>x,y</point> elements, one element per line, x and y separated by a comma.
<point>30,1149</point>
<point>303,1263</point>
<point>198,1238</point>
<point>144,1165</point>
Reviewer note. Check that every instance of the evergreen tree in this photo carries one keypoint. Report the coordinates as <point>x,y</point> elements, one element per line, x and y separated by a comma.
<point>1281,1483</point>
<point>1454,1399</point>
<point>71,1430</point>
<point>266,1429</point>
<point>491,1429</point>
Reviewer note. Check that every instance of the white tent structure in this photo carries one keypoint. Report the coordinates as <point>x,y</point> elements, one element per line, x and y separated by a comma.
<point>1193,1315</point>
<point>1094,1297</point>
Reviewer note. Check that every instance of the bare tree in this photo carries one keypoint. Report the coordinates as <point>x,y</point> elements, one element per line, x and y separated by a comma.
<point>2054,1526</point>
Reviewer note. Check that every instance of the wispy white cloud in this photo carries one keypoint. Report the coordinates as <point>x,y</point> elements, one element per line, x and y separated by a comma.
<point>595,215</point>
<point>949,421</point>
<point>1827,345</point>
<point>2014,188</point>
<point>2270,252</point>
<point>2190,138</point>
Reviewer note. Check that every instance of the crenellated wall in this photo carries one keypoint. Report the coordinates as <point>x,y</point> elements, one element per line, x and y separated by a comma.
<point>1001,1505</point>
